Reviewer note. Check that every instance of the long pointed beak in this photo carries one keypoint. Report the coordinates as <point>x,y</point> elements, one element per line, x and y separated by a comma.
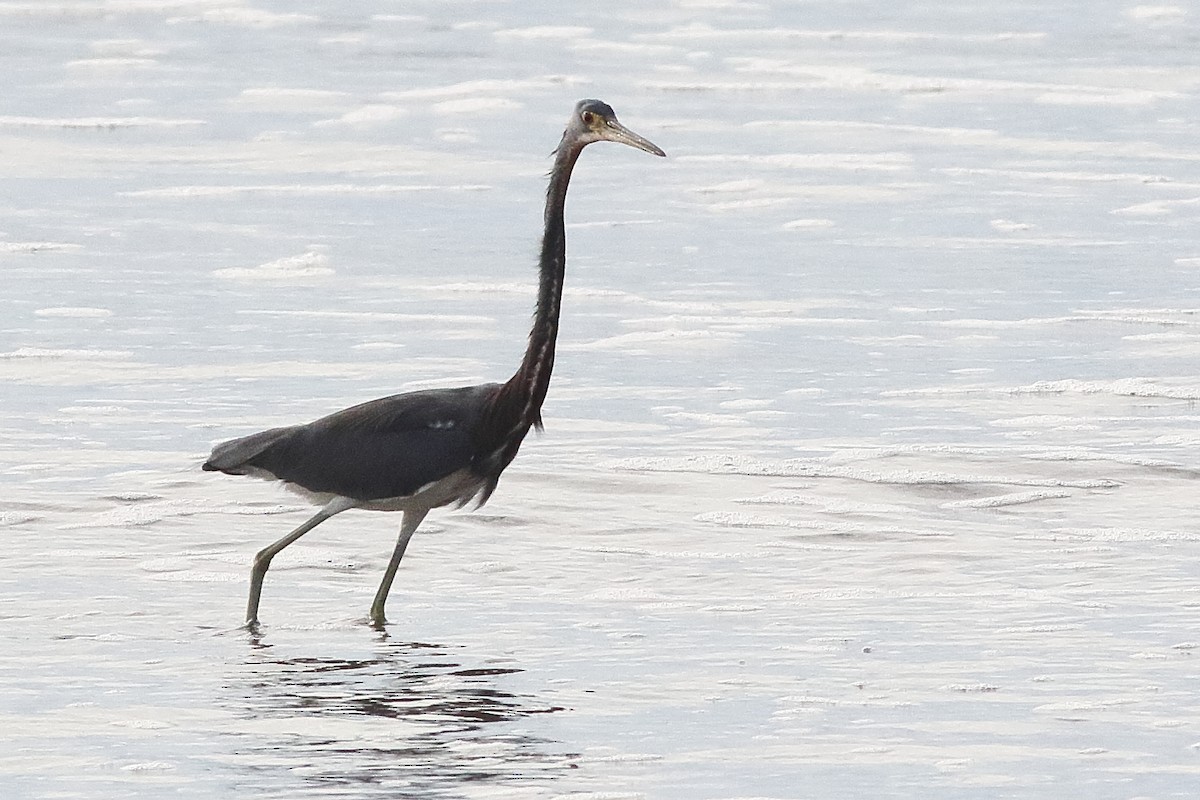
<point>616,132</point>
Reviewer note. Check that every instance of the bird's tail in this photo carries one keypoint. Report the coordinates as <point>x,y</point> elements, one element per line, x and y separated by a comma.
<point>235,456</point>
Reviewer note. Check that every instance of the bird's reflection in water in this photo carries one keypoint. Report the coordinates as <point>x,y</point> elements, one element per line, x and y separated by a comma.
<point>409,720</point>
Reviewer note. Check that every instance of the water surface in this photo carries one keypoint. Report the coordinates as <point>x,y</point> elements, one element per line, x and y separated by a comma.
<point>871,454</point>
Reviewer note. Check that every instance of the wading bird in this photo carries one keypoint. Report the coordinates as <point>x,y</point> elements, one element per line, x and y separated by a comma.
<point>421,450</point>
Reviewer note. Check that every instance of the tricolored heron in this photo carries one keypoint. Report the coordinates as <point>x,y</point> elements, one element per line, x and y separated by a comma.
<point>418,451</point>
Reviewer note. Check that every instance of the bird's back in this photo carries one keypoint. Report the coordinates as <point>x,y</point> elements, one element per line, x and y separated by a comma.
<point>385,448</point>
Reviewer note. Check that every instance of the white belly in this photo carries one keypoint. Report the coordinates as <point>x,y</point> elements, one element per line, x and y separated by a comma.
<point>456,487</point>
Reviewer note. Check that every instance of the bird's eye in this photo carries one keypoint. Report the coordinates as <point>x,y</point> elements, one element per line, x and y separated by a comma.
<point>588,118</point>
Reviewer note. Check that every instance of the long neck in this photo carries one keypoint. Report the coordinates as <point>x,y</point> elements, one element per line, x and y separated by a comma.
<point>516,407</point>
<point>539,354</point>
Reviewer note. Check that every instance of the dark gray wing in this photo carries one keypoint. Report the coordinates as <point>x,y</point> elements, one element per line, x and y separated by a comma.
<point>384,448</point>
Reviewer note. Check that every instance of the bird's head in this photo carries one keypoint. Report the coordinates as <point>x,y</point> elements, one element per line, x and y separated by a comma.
<point>595,121</point>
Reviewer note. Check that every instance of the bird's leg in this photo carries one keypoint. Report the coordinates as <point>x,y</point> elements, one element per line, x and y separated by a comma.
<point>262,560</point>
<point>412,519</point>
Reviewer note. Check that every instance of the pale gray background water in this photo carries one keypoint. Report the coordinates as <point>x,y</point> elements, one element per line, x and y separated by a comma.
<point>871,457</point>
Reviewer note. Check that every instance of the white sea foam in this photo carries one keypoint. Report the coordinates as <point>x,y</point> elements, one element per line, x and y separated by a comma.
<point>302,190</point>
<point>996,242</point>
<point>148,766</point>
<point>476,105</point>
<point>141,514</point>
<point>67,354</point>
<point>727,187</point>
<point>788,78</point>
<point>543,32</point>
<point>811,468</point>
<point>77,312</point>
<point>1157,14</point>
<point>1123,387</point>
<point>197,576</point>
<point>746,403</point>
<point>1081,454</point>
<point>617,49</point>
<point>96,122</point>
<point>1008,226</point>
<point>1156,208</point>
<point>290,99</point>
<point>37,247</point>
<point>735,519</point>
<point>881,162</point>
<point>717,420</point>
<point>1125,534</point>
<point>1004,500</point>
<point>387,346</point>
<point>1128,387</point>
<point>630,758</point>
<point>748,204</point>
<point>610,223</point>
<point>370,114</point>
<point>470,287</point>
<point>808,224</point>
<point>1055,175</point>
<point>236,16</point>
<point>301,268</point>
<point>1049,421</point>
<point>824,504</point>
<point>645,341</point>
<point>700,31</point>
<point>991,140</point>
<point>112,63</point>
<point>483,88</point>
<point>741,322</point>
<point>389,316</point>
<point>153,511</point>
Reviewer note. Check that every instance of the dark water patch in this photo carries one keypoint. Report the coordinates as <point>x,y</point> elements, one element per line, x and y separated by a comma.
<point>407,719</point>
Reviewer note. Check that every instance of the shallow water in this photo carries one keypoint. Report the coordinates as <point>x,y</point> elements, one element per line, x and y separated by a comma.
<point>871,453</point>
